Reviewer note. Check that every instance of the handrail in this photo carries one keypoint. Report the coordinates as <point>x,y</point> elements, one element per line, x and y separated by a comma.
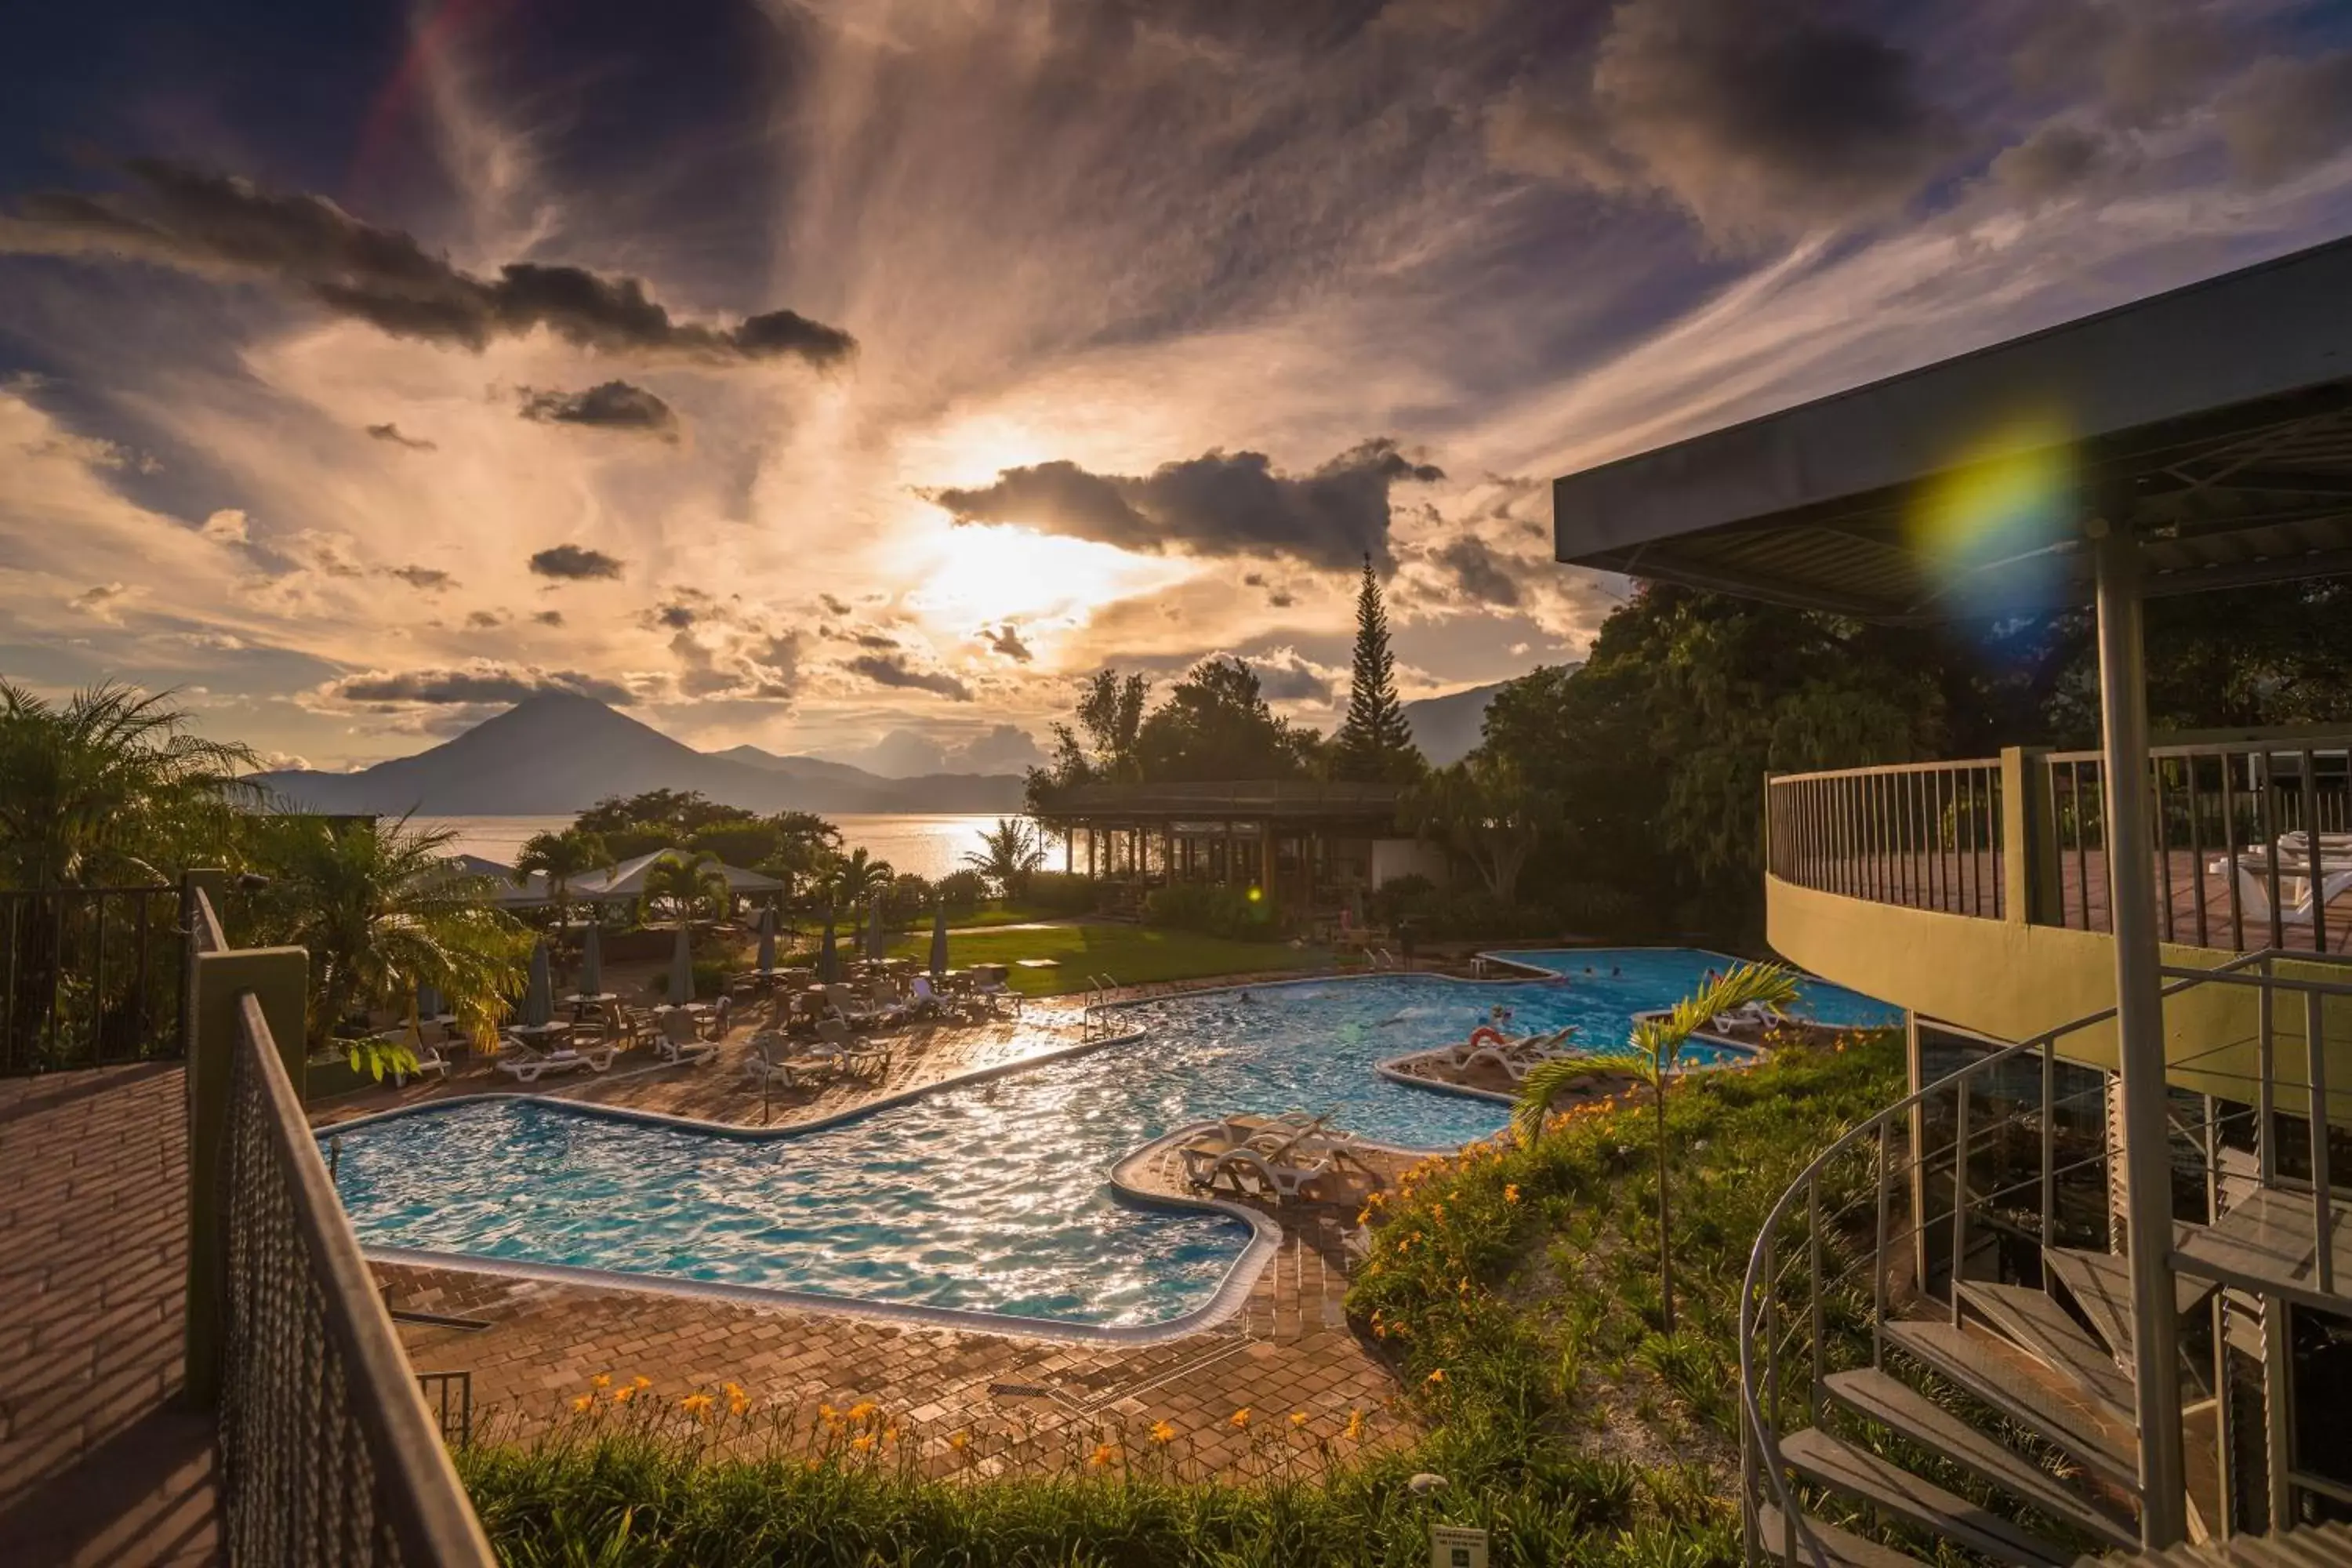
<point>1882,770</point>
<point>1759,1441</point>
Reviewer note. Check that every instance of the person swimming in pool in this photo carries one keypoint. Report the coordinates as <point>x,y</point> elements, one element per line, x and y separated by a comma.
<point>1614,972</point>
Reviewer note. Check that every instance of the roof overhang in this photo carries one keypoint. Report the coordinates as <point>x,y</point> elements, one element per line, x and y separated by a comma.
<point>2214,421</point>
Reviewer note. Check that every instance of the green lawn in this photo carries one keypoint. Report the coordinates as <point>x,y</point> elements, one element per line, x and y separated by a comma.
<point>1008,914</point>
<point>1132,955</point>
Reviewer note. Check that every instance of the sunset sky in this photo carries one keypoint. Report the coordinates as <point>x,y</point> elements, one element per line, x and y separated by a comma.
<point>805,372</point>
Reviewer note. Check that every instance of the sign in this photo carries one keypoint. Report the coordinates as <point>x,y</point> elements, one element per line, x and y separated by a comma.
<point>1457,1546</point>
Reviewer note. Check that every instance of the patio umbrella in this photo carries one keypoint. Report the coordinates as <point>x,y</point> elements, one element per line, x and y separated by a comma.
<point>428,1001</point>
<point>768,936</point>
<point>939,939</point>
<point>681,968</point>
<point>877,943</point>
<point>591,962</point>
<point>828,960</point>
<point>538,996</point>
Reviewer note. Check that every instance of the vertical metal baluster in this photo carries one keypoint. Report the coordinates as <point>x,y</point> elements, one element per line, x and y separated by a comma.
<point>97,979</point>
<point>1959,1190</point>
<point>1771,1337</point>
<point>2316,1067</point>
<point>2229,859</point>
<point>2317,884</point>
<point>2049,1141</point>
<point>57,963</point>
<point>2155,781</point>
<point>2081,843</point>
<point>1820,1318</point>
<point>1878,1251</point>
<point>2266,824</point>
<point>2197,853</point>
<point>138,978</point>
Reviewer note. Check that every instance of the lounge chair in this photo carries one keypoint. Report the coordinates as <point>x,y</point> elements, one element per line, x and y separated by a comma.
<point>1276,1176</point>
<point>990,988</point>
<point>681,1040</point>
<point>768,1062</point>
<point>719,1019</point>
<point>2249,869</point>
<point>1516,1059</point>
<point>429,1058</point>
<point>528,1063</point>
<point>850,1008</point>
<point>865,1058</point>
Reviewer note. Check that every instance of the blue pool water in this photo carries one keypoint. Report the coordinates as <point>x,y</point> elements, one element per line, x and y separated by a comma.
<point>988,1196</point>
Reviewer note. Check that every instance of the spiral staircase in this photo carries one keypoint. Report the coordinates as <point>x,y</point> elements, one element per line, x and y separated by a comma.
<point>1937,1336</point>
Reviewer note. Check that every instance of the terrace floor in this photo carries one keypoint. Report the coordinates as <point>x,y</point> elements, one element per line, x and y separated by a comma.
<point>1020,1402</point>
<point>99,1462</point>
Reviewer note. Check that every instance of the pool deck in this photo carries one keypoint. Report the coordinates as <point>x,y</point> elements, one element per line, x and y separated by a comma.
<point>1021,1402</point>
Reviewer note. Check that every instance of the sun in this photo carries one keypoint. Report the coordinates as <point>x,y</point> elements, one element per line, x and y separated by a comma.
<point>987,572</point>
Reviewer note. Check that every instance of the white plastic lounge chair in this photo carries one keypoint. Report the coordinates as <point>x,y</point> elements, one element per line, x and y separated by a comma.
<point>849,1007</point>
<point>991,989</point>
<point>429,1059</point>
<point>528,1063</point>
<point>1278,1177</point>
<point>719,1019</point>
<point>865,1058</point>
<point>2249,872</point>
<point>681,1040</point>
<point>768,1061</point>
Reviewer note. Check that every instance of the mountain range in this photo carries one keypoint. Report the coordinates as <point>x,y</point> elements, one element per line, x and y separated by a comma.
<point>555,753</point>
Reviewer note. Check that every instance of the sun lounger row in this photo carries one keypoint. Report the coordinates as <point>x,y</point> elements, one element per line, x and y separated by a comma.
<point>836,1053</point>
<point>1512,1058</point>
<point>1277,1158</point>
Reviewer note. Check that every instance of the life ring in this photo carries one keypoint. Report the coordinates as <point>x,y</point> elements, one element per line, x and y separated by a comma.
<point>1487,1032</point>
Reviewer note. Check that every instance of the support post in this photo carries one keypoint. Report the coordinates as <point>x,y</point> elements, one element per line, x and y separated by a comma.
<point>2029,857</point>
<point>2139,1028</point>
<point>279,978</point>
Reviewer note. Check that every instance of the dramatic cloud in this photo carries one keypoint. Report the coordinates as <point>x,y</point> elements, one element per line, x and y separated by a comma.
<point>222,225</point>
<point>1476,573</point>
<point>228,526</point>
<point>573,562</point>
<point>422,578</point>
<point>388,432</point>
<point>2284,116</point>
<point>613,405</point>
<point>2138,62</point>
<point>479,682</point>
<point>1761,119</point>
<point>485,620</point>
<point>2052,161</point>
<point>102,603</point>
<point>549,618</point>
<point>892,669</point>
<point>1217,504</point>
<point>1284,675</point>
<point>1006,640</point>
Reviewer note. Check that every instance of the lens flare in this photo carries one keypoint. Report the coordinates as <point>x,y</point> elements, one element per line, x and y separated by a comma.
<point>1987,526</point>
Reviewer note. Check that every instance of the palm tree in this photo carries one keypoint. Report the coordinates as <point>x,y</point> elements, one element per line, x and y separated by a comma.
<point>110,786</point>
<point>1009,854</point>
<point>562,857</point>
<point>381,911</point>
<point>1648,1054</point>
<point>857,877</point>
<point>685,880</point>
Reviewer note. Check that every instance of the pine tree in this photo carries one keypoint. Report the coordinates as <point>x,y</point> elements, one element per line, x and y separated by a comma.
<point>1374,743</point>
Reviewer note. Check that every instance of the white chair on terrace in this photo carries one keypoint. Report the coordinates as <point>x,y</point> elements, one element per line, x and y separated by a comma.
<point>681,1040</point>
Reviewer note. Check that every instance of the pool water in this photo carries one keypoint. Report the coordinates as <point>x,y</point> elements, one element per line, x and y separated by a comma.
<point>987,1196</point>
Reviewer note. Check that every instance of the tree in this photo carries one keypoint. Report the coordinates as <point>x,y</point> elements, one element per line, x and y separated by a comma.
<point>1374,743</point>
<point>110,788</point>
<point>560,856</point>
<point>1650,1053</point>
<point>857,877</point>
<point>1485,811</point>
<point>684,881</point>
<point>1216,725</point>
<point>381,911</point>
<point>1009,855</point>
<point>1101,747</point>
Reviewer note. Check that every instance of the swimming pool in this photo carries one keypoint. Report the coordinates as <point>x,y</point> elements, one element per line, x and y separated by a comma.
<point>978,1198</point>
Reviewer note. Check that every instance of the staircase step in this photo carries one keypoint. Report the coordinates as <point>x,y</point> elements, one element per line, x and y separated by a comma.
<point>1896,1405</point>
<point>2101,1285</point>
<point>2041,1327</point>
<point>2268,1243</point>
<point>2011,1381</point>
<point>1841,1548</point>
<point>1898,1493</point>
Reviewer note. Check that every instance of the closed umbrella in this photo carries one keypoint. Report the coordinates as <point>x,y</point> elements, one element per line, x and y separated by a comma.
<point>591,962</point>
<point>538,998</point>
<point>768,938</point>
<point>875,942</point>
<point>681,969</point>
<point>828,959</point>
<point>939,939</point>
<point>428,1001</point>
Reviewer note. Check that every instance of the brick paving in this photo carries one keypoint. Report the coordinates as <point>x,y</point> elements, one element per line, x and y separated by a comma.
<point>99,1462</point>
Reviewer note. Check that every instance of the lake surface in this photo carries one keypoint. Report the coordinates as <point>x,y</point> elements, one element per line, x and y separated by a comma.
<point>929,845</point>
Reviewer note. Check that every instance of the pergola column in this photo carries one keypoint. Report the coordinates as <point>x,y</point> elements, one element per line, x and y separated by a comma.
<point>2139,1030</point>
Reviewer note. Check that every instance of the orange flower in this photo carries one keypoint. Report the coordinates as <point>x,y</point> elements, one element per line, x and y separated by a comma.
<point>1103,1455</point>
<point>862,1442</point>
<point>584,1402</point>
<point>959,1442</point>
<point>1239,1419</point>
<point>1297,1419</point>
<point>810,1463</point>
<point>1511,1192</point>
<point>623,1393</point>
<point>1437,1376</point>
<point>831,1417</point>
<point>862,1410</point>
<point>1355,1424</point>
<point>602,1380</point>
<point>641,1381</point>
<point>1162,1433</point>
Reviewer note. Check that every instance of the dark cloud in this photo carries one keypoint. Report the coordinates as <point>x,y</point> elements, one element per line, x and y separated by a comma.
<point>1217,504</point>
<point>2138,62</point>
<point>485,620</point>
<point>835,605</point>
<point>613,405</point>
<point>2052,161</point>
<point>1759,118</point>
<point>874,639</point>
<point>1006,640</point>
<point>570,561</point>
<point>1476,573</point>
<point>549,618</point>
<point>2284,116</point>
<point>222,225</point>
<point>426,579</point>
<point>892,669</point>
<point>1284,676</point>
<point>392,433</point>
<point>476,683</point>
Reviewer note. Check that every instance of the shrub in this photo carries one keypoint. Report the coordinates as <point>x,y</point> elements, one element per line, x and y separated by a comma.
<point>1455,913</point>
<point>1213,911</point>
<point>963,892</point>
<point>1062,892</point>
<point>906,899</point>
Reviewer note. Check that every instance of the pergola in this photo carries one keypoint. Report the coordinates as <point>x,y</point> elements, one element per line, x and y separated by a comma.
<point>1303,841</point>
<point>2202,438</point>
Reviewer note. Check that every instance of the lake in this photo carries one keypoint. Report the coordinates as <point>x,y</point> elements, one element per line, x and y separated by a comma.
<point>929,845</point>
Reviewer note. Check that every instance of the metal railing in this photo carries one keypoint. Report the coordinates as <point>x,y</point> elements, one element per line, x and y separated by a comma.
<point>89,976</point>
<point>1971,1177</point>
<point>1927,836</point>
<point>328,1453</point>
<point>2248,842</point>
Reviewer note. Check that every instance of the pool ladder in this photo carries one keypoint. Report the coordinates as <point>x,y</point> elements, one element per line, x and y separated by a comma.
<point>1099,990</point>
